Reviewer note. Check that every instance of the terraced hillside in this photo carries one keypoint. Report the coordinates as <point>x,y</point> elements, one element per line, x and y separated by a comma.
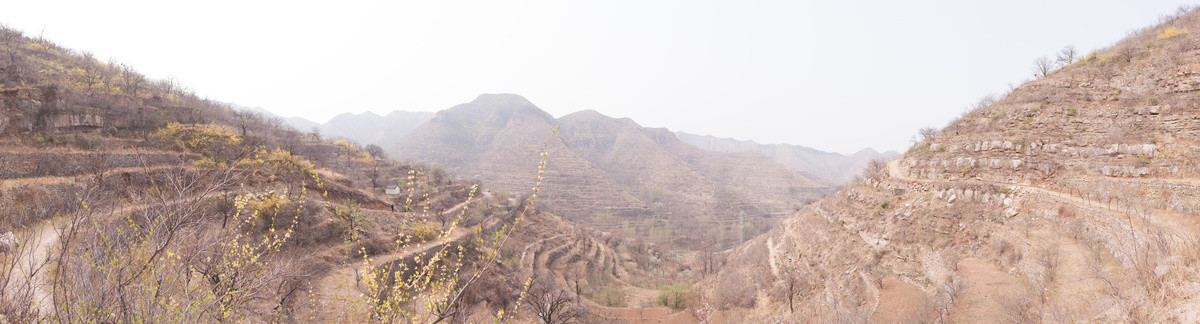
<point>610,174</point>
<point>1069,199</point>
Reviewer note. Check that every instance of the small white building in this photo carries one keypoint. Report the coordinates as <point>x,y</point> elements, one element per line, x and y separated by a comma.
<point>392,189</point>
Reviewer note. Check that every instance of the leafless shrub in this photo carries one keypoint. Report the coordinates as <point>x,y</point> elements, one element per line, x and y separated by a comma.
<point>949,293</point>
<point>1048,258</point>
<point>1067,212</point>
<point>733,290</point>
<point>1008,252</point>
<point>1021,307</point>
<point>1126,53</point>
<point>876,169</point>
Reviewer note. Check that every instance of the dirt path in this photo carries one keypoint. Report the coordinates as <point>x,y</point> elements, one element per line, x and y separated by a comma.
<point>32,265</point>
<point>525,252</point>
<point>1167,219</point>
<point>984,292</point>
<point>32,269</point>
<point>6,149</point>
<point>17,182</point>
<point>899,302</point>
<point>1182,181</point>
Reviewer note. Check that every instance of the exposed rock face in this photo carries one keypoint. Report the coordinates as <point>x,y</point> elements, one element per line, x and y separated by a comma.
<point>8,243</point>
<point>50,108</point>
<point>74,121</point>
<point>1072,197</point>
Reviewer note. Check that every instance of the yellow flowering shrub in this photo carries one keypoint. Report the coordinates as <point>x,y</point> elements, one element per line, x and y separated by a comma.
<point>1172,32</point>
<point>217,145</point>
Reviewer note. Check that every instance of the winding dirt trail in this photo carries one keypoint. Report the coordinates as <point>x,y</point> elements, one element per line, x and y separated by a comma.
<point>1168,219</point>
<point>32,266</point>
<point>17,182</point>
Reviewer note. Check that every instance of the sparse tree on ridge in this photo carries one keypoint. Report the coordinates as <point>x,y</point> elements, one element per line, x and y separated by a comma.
<point>1042,66</point>
<point>927,134</point>
<point>132,81</point>
<point>1067,55</point>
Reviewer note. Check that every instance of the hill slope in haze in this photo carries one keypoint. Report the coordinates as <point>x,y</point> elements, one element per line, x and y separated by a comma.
<point>1073,198</point>
<point>609,173</point>
<point>366,128</point>
<point>827,165</point>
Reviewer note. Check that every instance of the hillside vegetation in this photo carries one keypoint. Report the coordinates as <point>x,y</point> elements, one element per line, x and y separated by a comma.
<point>132,200</point>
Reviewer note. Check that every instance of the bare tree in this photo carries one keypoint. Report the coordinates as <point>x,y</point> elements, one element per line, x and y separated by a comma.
<point>1067,55</point>
<point>876,168</point>
<point>315,132</point>
<point>1048,257</point>
<point>708,259</point>
<point>551,304</point>
<point>795,285</point>
<point>1042,66</point>
<point>170,85</point>
<point>927,134</point>
<point>110,72</point>
<point>374,173</point>
<point>1126,53</point>
<point>985,101</point>
<point>1183,9</point>
<point>93,72</point>
<point>98,163</point>
<point>376,152</point>
<point>131,80</point>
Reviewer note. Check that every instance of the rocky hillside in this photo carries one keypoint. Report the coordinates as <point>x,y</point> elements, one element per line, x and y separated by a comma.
<point>1072,198</point>
<point>835,167</point>
<point>611,174</point>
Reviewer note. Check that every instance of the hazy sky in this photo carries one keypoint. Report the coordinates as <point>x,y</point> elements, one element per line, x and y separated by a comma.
<point>834,75</point>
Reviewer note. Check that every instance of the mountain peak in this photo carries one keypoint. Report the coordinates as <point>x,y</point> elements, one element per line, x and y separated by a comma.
<point>499,107</point>
<point>348,115</point>
<point>866,152</point>
<point>505,100</point>
<point>403,113</point>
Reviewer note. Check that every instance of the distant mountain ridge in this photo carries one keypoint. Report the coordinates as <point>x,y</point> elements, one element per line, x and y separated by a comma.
<point>363,128</point>
<point>834,167</point>
<point>605,172</point>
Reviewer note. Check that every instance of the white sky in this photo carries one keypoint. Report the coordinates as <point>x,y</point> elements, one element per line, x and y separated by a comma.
<point>833,75</point>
